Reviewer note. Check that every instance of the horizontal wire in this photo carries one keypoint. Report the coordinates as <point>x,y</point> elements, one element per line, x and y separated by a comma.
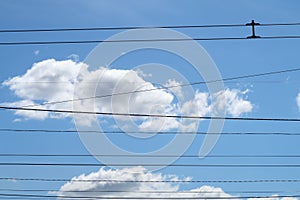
<point>120,41</point>
<point>228,82</point>
<point>153,115</point>
<point>148,40</point>
<point>141,27</point>
<point>147,155</point>
<point>118,28</point>
<point>150,181</point>
<point>147,191</point>
<point>150,165</point>
<point>5,130</point>
<point>174,86</point>
<point>279,24</point>
<point>143,197</point>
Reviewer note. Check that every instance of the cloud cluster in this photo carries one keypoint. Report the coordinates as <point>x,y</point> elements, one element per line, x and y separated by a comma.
<point>51,80</point>
<point>137,184</point>
<point>137,178</point>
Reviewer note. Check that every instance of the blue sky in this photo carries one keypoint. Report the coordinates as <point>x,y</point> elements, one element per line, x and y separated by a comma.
<point>273,96</point>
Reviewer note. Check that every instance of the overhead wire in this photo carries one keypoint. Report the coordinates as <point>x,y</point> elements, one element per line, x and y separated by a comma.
<point>148,40</point>
<point>148,115</point>
<point>150,165</point>
<point>141,27</point>
<point>143,197</point>
<point>35,131</point>
<point>170,87</point>
<point>153,115</point>
<point>149,191</point>
<point>120,28</point>
<point>155,156</point>
<point>150,181</point>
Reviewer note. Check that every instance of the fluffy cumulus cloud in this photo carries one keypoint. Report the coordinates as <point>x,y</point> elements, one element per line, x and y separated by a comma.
<point>51,81</point>
<point>232,102</point>
<point>135,182</point>
<point>45,82</point>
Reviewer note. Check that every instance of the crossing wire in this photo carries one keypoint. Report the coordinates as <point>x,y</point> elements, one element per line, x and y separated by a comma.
<point>153,115</point>
<point>173,86</point>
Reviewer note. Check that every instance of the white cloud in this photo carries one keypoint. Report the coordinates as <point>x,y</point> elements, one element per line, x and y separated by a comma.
<point>137,178</point>
<point>137,175</point>
<point>232,101</point>
<point>51,80</point>
<point>48,80</point>
<point>44,82</point>
<point>27,114</point>
<point>175,88</point>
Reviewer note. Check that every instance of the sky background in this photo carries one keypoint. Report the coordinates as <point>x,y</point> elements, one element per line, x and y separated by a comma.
<point>270,96</point>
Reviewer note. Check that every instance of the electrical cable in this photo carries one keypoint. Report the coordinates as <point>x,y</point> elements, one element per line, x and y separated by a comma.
<point>150,165</point>
<point>134,197</point>
<point>173,86</point>
<point>35,131</point>
<point>146,191</point>
<point>150,181</point>
<point>154,156</point>
<point>153,115</point>
<point>140,27</point>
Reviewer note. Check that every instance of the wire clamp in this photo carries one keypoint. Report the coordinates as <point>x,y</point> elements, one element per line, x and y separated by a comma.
<point>253,24</point>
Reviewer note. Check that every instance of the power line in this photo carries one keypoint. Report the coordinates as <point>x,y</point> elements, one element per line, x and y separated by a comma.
<point>6,130</point>
<point>150,181</point>
<point>147,191</point>
<point>150,165</point>
<point>143,197</point>
<point>154,156</point>
<point>280,24</point>
<point>139,27</point>
<point>174,86</point>
<point>119,41</point>
<point>153,115</point>
<point>147,40</point>
<point>120,28</point>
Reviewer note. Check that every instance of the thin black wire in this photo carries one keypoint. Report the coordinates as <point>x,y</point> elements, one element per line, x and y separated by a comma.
<point>147,40</point>
<point>280,24</point>
<point>147,155</point>
<point>169,87</point>
<point>119,41</point>
<point>150,181</point>
<point>146,191</point>
<point>140,27</point>
<point>142,197</point>
<point>119,28</point>
<point>6,130</point>
<point>150,165</point>
<point>153,115</point>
